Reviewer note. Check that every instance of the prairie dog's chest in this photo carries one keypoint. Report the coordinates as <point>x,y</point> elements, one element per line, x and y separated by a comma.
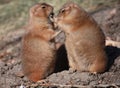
<point>70,43</point>
<point>38,45</point>
<point>72,39</point>
<point>73,43</point>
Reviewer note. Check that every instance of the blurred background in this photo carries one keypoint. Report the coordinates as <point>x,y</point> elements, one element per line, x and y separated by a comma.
<point>14,13</point>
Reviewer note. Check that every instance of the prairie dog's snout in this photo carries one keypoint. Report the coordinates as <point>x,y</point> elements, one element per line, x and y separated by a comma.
<point>54,19</point>
<point>51,15</point>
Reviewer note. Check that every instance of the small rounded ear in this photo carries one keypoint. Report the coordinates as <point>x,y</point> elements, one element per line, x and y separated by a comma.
<point>75,5</point>
<point>72,4</point>
<point>68,8</point>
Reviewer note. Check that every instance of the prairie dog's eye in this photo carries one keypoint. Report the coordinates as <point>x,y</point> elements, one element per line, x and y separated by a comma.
<point>63,10</point>
<point>43,7</point>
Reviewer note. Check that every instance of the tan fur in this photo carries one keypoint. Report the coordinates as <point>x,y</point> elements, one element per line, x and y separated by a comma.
<point>38,51</point>
<point>85,41</point>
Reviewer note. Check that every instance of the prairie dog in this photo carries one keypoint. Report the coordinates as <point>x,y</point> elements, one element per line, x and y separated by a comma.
<point>38,49</point>
<point>85,41</point>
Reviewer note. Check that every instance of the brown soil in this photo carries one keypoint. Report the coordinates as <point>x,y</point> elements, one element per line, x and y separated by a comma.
<point>10,63</point>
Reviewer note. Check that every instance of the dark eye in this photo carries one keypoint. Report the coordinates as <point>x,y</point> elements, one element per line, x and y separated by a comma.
<point>43,7</point>
<point>63,10</point>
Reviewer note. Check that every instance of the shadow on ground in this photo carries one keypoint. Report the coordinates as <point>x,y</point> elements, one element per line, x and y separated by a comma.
<point>112,53</point>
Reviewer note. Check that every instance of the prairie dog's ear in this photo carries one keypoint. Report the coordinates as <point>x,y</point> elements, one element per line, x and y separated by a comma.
<point>68,8</point>
<point>75,5</point>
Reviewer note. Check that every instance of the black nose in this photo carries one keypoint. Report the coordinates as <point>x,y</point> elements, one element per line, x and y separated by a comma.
<point>51,15</point>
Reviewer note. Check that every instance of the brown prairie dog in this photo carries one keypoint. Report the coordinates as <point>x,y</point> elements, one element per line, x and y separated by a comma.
<point>38,51</point>
<point>85,41</point>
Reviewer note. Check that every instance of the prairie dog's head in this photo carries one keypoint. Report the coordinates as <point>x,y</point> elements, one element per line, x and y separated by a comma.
<point>69,15</point>
<point>42,11</point>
